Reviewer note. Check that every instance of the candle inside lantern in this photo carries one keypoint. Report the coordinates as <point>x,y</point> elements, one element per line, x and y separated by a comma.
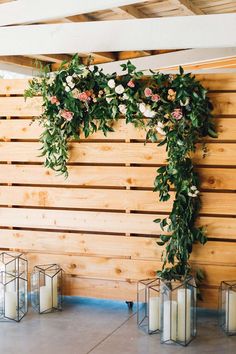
<point>154,313</point>
<point>184,314</point>
<point>231,310</point>
<point>10,305</point>
<point>169,320</point>
<point>51,283</point>
<point>45,298</point>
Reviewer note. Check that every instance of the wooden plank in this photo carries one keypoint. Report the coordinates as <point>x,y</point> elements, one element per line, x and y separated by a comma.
<point>214,274</point>
<point>215,252</point>
<point>99,288</point>
<point>136,153</point>
<point>209,298</point>
<point>98,267</point>
<point>107,199</point>
<point>13,87</point>
<point>18,107</point>
<point>221,82</point>
<point>26,129</point>
<point>82,244</point>
<point>224,104</point>
<point>217,227</point>
<point>109,176</point>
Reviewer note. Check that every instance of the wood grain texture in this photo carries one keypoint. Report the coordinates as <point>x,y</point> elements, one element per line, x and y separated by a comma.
<point>81,222</point>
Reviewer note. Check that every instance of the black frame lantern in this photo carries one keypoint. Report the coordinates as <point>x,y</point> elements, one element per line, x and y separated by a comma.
<point>178,311</point>
<point>47,288</point>
<point>148,305</point>
<point>13,286</point>
<point>227,307</point>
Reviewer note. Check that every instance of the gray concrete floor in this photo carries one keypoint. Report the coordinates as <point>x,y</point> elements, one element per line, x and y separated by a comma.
<point>102,327</point>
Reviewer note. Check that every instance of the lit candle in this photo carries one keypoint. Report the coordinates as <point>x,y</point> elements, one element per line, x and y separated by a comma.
<point>154,313</point>
<point>10,305</point>
<point>45,298</point>
<point>169,319</point>
<point>184,314</point>
<point>231,310</point>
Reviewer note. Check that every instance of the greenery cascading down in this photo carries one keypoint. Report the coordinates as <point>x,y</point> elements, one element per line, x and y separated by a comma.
<point>175,112</point>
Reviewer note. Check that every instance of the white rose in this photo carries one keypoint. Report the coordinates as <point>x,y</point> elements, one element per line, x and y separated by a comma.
<point>125,96</point>
<point>119,89</point>
<point>193,188</point>
<point>122,109</point>
<point>149,113</point>
<point>51,80</point>
<point>192,195</point>
<point>71,84</point>
<point>67,89</point>
<point>142,107</point>
<point>111,83</point>
<point>109,99</point>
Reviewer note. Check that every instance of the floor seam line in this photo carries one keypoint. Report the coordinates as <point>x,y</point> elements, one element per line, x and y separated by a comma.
<point>110,334</point>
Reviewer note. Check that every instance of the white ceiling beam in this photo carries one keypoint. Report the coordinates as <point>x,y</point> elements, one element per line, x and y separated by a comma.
<point>169,60</point>
<point>31,11</point>
<point>208,31</point>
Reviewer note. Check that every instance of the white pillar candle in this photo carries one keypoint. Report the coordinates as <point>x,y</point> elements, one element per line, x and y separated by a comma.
<point>45,298</point>
<point>169,320</point>
<point>184,314</point>
<point>52,285</point>
<point>154,313</point>
<point>10,305</point>
<point>230,310</point>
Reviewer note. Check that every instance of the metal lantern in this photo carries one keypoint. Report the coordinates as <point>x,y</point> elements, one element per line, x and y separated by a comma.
<point>13,286</point>
<point>46,288</point>
<point>227,306</point>
<point>148,303</point>
<point>178,311</point>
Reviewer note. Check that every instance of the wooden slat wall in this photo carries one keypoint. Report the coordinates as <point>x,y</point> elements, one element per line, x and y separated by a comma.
<point>98,223</point>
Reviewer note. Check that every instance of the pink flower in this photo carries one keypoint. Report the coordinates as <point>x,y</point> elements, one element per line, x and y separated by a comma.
<point>155,98</point>
<point>148,92</point>
<point>67,115</point>
<point>84,96</point>
<point>131,84</point>
<point>54,100</point>
<point>177,113</point>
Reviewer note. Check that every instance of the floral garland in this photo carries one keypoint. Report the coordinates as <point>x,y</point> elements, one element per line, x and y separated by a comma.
<point>175,111</point>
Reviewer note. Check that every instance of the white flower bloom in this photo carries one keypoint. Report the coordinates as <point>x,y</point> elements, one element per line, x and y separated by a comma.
<point>69,79</point>
<point>74,75</point>
<point>160,125</point>
<point>185,103</point>
<point>142,107</point>
<point>125,96</point>
<point>119,89</point>
<point>111,83</point>
<point>122,109</point>
<point>64,84</point>
<point>109,99</point>
<point>85,73</point>
<point>67,89</point>
<point>51,80</point>
<point>160,131</point>
<point>71,84</point>
<point>149,113</point>
<point>193,188</point>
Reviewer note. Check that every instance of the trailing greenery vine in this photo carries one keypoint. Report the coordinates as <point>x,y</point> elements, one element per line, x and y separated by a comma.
<point>79,100</point>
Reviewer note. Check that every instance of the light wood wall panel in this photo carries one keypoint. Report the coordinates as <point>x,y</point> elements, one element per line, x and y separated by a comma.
<point>82,222</point>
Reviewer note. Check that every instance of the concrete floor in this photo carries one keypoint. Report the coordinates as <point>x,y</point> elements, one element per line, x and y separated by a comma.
<point>102,327</point>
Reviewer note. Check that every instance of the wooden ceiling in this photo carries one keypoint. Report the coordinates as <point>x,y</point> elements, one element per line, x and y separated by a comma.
<point>147,9</point>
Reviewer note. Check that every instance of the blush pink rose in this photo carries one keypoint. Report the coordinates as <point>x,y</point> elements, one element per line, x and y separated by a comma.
<point>148,92</point>
<point>83,96</point>
<point>177,113</point>
<point>54,100</point>
<point>155,98</point>
<point>67,115</point>
<point>131,84</point>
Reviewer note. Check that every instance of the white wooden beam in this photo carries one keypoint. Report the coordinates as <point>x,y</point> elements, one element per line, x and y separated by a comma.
<point>208,31</point>
<point>30,11</point>
<point>169,60</point>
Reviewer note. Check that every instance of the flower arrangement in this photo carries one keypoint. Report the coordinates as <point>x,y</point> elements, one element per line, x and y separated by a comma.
<point>175,111</point>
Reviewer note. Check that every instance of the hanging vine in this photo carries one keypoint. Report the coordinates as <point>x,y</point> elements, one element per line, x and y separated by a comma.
<point>175,111</point>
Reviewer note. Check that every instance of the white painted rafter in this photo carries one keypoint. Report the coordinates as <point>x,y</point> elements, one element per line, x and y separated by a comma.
<point>31,11</point>
<point>168,60</point>
<point>208,31</point>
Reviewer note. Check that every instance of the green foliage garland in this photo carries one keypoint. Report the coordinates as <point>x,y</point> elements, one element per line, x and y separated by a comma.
<point>176,113</point>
